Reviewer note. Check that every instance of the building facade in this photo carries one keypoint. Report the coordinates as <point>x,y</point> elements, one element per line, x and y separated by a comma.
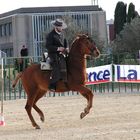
<point>26,26</point>
<point>110,30</point>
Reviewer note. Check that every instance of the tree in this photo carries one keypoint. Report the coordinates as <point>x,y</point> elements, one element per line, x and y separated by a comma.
<point>129,38</point>
<point>127,41</point>
<point>74,29</point>
<point>120,17</point>
<point>131,12</point>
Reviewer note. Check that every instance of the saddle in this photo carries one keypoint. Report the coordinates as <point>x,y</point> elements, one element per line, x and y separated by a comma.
<point>45,65</point>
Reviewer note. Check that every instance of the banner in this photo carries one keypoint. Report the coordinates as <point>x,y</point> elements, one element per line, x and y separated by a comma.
<point>127,73</point>
<point>101,74</point>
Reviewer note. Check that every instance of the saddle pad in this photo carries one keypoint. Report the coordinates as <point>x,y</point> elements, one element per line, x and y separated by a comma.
<point>45,66</point>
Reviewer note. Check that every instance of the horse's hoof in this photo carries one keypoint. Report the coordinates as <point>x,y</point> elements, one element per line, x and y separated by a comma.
<point>42,119</point>
<point>82,115</point>
<point>86,110</point>
<point>37,127</point>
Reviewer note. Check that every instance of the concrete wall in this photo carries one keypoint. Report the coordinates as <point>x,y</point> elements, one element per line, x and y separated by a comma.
<point>21,32</point>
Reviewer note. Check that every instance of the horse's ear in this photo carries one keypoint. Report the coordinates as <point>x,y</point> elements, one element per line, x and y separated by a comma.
<point>77,37</point>
<point>86,35</point>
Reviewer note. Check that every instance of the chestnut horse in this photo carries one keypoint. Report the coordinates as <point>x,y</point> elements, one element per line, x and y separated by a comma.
<point>35,81</point>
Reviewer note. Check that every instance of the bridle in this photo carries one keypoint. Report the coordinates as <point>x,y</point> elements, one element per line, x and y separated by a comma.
<point>89,39</point>
<point>92,42</point>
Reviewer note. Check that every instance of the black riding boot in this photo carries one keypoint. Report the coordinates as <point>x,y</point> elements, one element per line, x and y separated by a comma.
<point>55,74</point>
<point>52,87</point>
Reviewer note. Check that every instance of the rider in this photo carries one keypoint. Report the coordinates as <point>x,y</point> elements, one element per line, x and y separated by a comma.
<point>56,45</point>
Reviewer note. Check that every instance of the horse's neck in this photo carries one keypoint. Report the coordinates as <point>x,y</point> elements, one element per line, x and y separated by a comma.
<point>76,65</point>
<point>76,62</point>
<point>76,69</point>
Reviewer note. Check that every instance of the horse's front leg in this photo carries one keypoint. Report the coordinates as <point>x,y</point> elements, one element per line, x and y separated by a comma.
<point>87,93</point>
<point>89,96</point>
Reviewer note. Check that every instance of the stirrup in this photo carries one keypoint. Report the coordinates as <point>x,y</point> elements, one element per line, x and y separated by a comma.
<point>52,88</point>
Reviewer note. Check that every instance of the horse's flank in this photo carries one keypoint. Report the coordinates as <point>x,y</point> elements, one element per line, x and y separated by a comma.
<point>41,78</point>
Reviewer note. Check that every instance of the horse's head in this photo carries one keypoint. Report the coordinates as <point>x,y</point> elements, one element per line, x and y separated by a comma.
<point>87,45</point>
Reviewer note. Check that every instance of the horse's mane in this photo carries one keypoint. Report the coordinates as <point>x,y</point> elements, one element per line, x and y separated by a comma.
<point>76,43</point>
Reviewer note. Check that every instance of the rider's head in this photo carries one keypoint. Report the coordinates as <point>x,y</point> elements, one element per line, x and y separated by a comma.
<point>59,25</point>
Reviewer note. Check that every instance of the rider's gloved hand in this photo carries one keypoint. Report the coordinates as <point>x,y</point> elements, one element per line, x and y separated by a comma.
<point>67,50</point>
<point>61,49</point>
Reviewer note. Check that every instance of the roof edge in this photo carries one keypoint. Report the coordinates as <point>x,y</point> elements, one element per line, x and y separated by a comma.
<point>24,10</point>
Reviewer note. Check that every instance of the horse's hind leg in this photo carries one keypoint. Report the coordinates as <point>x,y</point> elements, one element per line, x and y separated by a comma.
<point>42,118</point>
<point>28,107</point>
<point>16,79</point>
<point>40,94</point>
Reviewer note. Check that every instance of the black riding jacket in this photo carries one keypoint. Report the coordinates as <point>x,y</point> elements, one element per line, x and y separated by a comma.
<point>53,41</point>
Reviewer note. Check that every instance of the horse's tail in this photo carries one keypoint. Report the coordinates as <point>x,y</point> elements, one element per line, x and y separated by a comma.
<point>18,76</point>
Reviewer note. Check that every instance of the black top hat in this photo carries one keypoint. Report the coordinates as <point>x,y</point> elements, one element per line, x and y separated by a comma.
<point>59,23</point>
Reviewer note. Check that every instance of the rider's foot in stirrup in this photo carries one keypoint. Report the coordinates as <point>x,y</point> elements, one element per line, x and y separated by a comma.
<point>52,87</point>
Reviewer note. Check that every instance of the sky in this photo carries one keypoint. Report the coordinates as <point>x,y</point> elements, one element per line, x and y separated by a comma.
<point>106,5</point>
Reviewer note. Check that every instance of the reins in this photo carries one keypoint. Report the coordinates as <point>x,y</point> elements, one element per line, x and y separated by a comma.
<point>84,57</point>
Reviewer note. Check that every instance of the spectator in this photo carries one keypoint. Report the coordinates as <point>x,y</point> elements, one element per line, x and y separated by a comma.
<point>24,51</point>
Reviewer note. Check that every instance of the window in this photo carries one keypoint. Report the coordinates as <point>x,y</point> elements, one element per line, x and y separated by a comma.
<point>6,29</point>
<point>10,28</point>
<point>0,30</point>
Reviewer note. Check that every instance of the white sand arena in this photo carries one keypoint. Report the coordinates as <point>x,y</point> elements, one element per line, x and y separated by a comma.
<point>113,117</point>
